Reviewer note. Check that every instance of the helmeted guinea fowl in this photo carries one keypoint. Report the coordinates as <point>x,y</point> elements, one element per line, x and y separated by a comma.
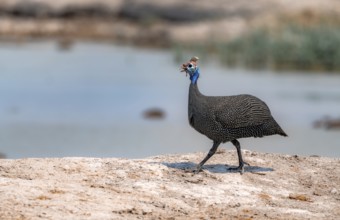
<point>227,118</point>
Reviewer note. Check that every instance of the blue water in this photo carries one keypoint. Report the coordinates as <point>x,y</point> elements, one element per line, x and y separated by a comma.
<point>89,101</point>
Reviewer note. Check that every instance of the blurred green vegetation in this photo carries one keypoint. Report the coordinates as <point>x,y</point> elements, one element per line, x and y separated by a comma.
<point>306,42</point>
<point>293,47</point>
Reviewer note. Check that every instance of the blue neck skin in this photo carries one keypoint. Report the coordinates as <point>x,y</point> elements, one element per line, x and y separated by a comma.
<point>194,76</point>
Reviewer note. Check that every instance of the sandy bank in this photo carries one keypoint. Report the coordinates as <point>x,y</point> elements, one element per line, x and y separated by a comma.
<point>161,187</point>
<point>145,22</point>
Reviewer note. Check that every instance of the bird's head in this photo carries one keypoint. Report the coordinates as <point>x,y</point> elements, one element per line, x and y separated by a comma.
<point>192,69</point>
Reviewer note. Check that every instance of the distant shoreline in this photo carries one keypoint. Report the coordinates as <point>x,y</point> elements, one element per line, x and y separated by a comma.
<point>149,23</point>
<point>232,30</point>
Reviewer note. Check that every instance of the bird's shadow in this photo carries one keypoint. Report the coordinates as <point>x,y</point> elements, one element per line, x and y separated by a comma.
<point>217,168</point>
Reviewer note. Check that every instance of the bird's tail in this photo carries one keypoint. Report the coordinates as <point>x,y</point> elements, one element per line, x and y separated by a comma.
<point>280,131</point>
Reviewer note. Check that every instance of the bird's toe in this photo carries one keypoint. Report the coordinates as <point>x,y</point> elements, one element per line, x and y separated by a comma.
<point>197,170</point>
<point>245,163</point>
<point>239,169</point>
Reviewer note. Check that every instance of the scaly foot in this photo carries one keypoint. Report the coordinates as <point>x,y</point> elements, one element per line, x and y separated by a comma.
<point>197,170</point>
<point>240,168</point>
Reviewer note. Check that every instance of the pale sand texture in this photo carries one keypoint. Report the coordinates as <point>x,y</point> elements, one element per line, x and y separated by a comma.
<point>274,187</point>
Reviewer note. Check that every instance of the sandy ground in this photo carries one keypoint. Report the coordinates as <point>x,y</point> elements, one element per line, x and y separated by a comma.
<point>162,187</point>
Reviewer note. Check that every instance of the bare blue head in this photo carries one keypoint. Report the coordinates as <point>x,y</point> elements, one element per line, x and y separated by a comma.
<point>192,69</point>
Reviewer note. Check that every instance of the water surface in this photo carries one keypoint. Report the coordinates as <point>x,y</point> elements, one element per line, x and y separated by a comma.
<point>89,101</point>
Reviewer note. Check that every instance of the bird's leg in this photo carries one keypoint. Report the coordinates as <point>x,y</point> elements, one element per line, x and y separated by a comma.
<point>240,160</point>
<point>211,152</point>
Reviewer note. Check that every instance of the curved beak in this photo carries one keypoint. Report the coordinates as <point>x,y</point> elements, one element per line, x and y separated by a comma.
<point>184,68</point>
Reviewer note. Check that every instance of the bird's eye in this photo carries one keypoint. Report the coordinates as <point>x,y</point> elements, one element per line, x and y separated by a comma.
<point>190,65</point>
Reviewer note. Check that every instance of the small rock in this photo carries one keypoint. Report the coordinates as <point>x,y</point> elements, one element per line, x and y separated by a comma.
<point>317,193</point>
<point>327,123</point>
<point>334,191</point>
<point>299,197</point>
<point>265,196</point>
<point>253,154</point>
<point>220,151</point>
<point>236,205</point>
<point>154,113</point>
